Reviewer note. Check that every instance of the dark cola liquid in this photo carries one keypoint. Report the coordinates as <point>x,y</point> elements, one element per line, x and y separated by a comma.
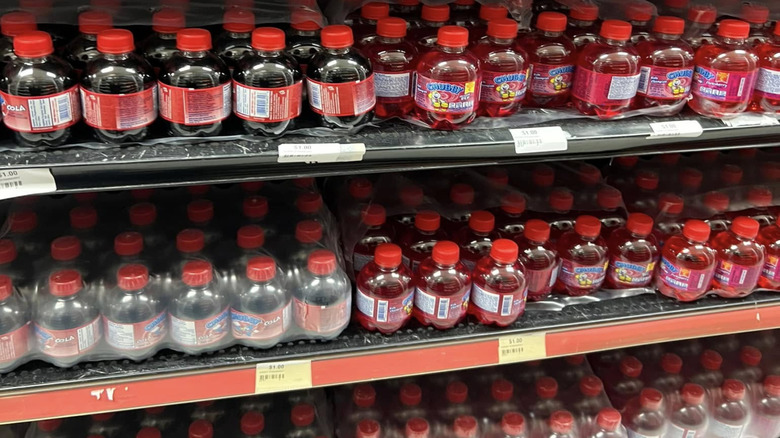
<point>158,48</point>
<point>119,74</point>
<point>303,45</point>
<point>335,66</point>
<point>6,50</point>
<point>231,46</point>
<point>82,50</point>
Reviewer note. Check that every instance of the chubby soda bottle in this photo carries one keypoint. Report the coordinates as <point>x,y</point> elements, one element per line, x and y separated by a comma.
<point>408,10</point>
<point>584,258</point>
<point>633,253</point>
<point>261,308</point>
<point>14,325</point>
<point>394,60</point>
<point>687,263</point>
<point>487,13</point>
<point>767,95</point>
<point>644,414</point>
<point>539,259</point>
<point>443,287</point>
<point>340,81</point>
<point>639,14</point>
<point>13,24</point>
<point>504,67</point>
<point>267,85</point>
<point>418,242</point>
<point>84,47</point>
<point>385,293</point>
<point>236,38</point>
<point>582,28</point>
<point>551,57</point>
<point>725,73</point>
<point>448,82</point>
<point>698,29</point>
<point>366,26</point>
<point>161,44</point>
<point>323,298</point>
<point>607,75</point>
<point>499,288</point>
<point>769,237</point>
<point>740,259</point>
<point>434,17</point>
<point>464,12</point>
<point>377,232</point>
<point>512,215</point>
<point>757,15</point>
<point>476,239</point>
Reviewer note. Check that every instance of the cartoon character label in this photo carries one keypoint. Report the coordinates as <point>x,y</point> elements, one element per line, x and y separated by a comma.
<point>549,80</point>
<point>665,83</point>
<point>136,336</point>
<point>41,113</point>
<point>730,274</point>
<point>443,310</point>
<point>630,274</point>
<point>499,304</point>
<point>768,83</point>
<point>771,270</point>
<point>601,88</point>
<point>503,87</point>
<point>393,310</point>
<point>120,112</point>
<point>267,105</point>
<point>446,97</point>
<point>69,342</point>
<point>200,332</point>
<point>194,107</point>
<point>322,319</point>
<point>344,99</point>
<point>261,327</point>
<point>15,344</point>
<point>581,276</point>
<point>723,86</point>
<point>688,280</point>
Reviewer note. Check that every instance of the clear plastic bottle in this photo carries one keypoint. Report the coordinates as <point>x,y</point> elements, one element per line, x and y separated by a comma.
<point>500,402</point>
<point>767,95</point>
<point>591,398</point>
<point>465,426</point>
<point>582,28</point>
<point>643,196</point>
<point>612,213</point>
<point>85,226</point>
<point>669,380</point>
<point>487,13</point>
<point>302,417</point>
<point>410,404</point>
<point>476,239</point>
<point>13,24</point>
<point>547,402</point>
<point>731,415</point>
<point>539,259</point>
<point>161,45</point>
<point>433,18</point>
<point>551,57</point>
<point>499,288</point>
<point>418,243</point>
<point>143,218</point>
<point>385,293</point>
<point>769,237</point>
<point>607,75</point>
<point>504,65</point>
<point>448,82</point>
<point>639,14</point>
<point>709,376</point>
<point>199,310</point>
<point>629,384</point>
<point>725,72</point>
<point>323,299</point>
<point>608,425</point>
<point>687,263</point>
<point>584,258</point>
<point>716,204</point>
<point>366,26</point>
<point>760,205</point>
<point>740,259</point>
<point>443,287</point>
<point>757,15</point>
<point>461,205</point>
<point>340,81</point>
<point>200,214</point>
<point>644,416</point>
<point>562,425</point>
<point>252,425</point>
<point>409,11</point>
<point>267,85</point>
<point>377,232</point>
<point>261,309</point>
<point>363,406</point>
<point>14,325</point>
<point>195,87</point>
<point>690,418</point>
<point>766,409</point>
<point>417,428</point>
<point>456,403</point>
<point>701,19</point>
<point>40,95</point>
<point>749,369</point>
<point>511,425</point>
<point>114,80</point>
<point>303,39</point>
<point>394,60</point>
<point>690,180</point>
<point>634,252</point>
<point>236,39</point>
<point>369,429</point>
<point>84,48</point>
<point>308,238</point>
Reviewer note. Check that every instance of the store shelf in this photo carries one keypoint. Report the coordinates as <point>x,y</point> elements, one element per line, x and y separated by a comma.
<point>390,147</point>
<point>37,391</point>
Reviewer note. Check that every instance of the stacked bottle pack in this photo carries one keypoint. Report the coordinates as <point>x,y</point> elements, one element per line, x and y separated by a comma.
<point>126,274</point>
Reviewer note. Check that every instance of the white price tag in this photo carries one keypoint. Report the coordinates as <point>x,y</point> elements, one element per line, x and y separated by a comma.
<point>542,139</point>
<point>751,120</point>
<point>282,376</point>
<point>16,183</point>
<point>679,128</point>
<point>320,152</point>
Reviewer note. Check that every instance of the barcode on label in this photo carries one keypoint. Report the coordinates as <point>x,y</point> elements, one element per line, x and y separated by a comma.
<point>282,376</point>
<point>444,308</point>
<point>541,139</point>
<point>261,105</point>
<point>519,348</point>
<point>12,184</point>
<point>63,108</point>
<point>315,95</point>
<point>506,305</point>
<point>320,152</point>
<point>270,377</point>
<point>381,311</point>
<point>23,182</point>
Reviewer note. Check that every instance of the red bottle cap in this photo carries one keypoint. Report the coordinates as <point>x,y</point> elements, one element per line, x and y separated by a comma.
<point>609,419</point>
<point>639,11</point>
<point>591,386</point>
<point>322,262</point>
<point>551,22</point>
<point>143,214</point>
<point>676,4</point>
<point>446,253</point>
<point>453,36</point>
<point>504,251</point>
<point>502,28</point>
<point>261,269</point>
<point>482,221</point>
<point>193,40</point>
<point>168,21</point>
<point>391,27</point>
<point>690,177</point>
<point>364,395</point>
<point>575,360</point>
<point>696,230</point>
<point>589,174</point>
<point>417,428</point>
<point>760,196</point>
<point>770,171</point>
<point>7,251</point>
<point>306,182</point>
<point>670,204</point>
<point>703,14</point>
<point>308,232</point>
<point>309,203</point>
<point>197,273</point>
<point>546,387</point>
<point>692,394</point>
<point>750,356</point>
<point>132,277</point>
<point>717,201</point>
<point>190,240</point>
<point>731,174</point>
<point>584,12</point>
<point>640,224</point>
<point>731,29</point>
<point>302,415</point>
<point>305,20</point>
<point>375,11</point>
<point>200,211</point>
<point>115,41</point>
<point>457,392</point>
<point>368,429</point>
<point>617,30</point>
<point>627,161</point>
<point>337,36</point>
<point>543,176</point>
<point>587,226</point>
<point>609,198</point>
<point>497,176</point>
<point>35,44</point>
<point>772,385</point>
<point>745,227</point>
<point>428,221</point>
<point>65,248</point>
<point>94,22</point>
<point>747,153</point>
<point>250,237</point>
<point>82,218</point>
<point>651,399</point>
<point>255,207</point>
<point>388,256</point>
<point>493,12</point>
<point>631,367</point>
<point>462,194</point>
<point>465,426</point>
<point>711,360</point>
<point>669,25</point>
<point>502,390</point>
<point>646,180</point>
<point>412,196</point>
<point>776,32</point>
<point>465,2</point>
<point>561,422</point>
<point>513,203</point>
<point>411,394</point>
<point>435,13</point>
<point>65,283</point>
<point>238,21</point>
<point>513,424</point>
<point>755,13</point>
<point>149,432</point>
<point>537,230</point>
<point>671,363</point>
<point>733,390</point>
<point>360,188</point>
<point>50,425</point>
<point>373,215</point>
<point>561,200</point>
<point>6,287</point>
<point>128,244</point>
<point>201,429</point>
<point>17,23</point>
<point>252,423</point>
<point>269,39</point>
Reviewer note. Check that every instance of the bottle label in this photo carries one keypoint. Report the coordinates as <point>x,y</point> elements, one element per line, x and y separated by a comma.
<point>321,319</point>
<point>395,84</point>
<point>582,276</point>
<point>731,274</point>
<point>540,280</point>
<point>634,274</point>
<point>267,105</point>
<point>500,304</point>
<point>70,342</point>
<point>503,87</point>
<point>602,88</point>
<point>768,83</point>
<point>261,327</point>
<point>665,83</point>
<point>549,80</point>
<point>200,332</point>
<point>675,431</point>
<point>689,280</point>
<point>394,310</point>
<point>344,99</point>
<point>446,97</point>
<point>41,113</point>
<point>14,345</point>
<point>120,112</point>
<point>723,86</point>
<point>719,429</point>
<point>771,269</point>
<point>136,336</point>
<point>194,107</point>
<point>443,309</point>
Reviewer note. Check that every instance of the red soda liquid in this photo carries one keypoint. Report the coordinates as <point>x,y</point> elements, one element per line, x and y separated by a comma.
<point>757,16</point>
<point>434,17</point>
<point>464,12</point>
<point>365,28</point>
<point>393,59</point>
<point>551,56</point>
<point>607,74</point>
<point>612,214</point>
<point>377,233</point>
<point>418,243</point>
<point>666,67</point>
<point>767,95</point>
<point>674,8</point>
<point>487,13</point>
<point>539,258</point>
<point>699,29</point>
<point>303,39</point>
<point>740,259</point>
<point>504,67</point>
<point>687,263</point>
<point>591,396</point>
<point>586,184</point>
<point>583,258</point>
<point>448,82</point>
<point>476,239</point>
<point>582,28</point>
<point>11,25</point>
<point>621,171</point>
<point>542,181</point>
<point>633,253</point>
<point>769,237</point>
<point>725,72</point>
<point>560,217</point>
<point>669,379</point>
<point>668,220</point>
<point>716,204</point>
<point>408,10</point>
<point>443,286</point>
<point>639,14</point>
<point>511,217</point>
<point>384,291</point>
<point>499,287</point>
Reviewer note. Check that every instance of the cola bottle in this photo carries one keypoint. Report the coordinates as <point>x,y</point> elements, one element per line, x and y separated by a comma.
<point>200,214</point>
<point>149,432</point>
<point>261,311</point>
<point>591,399</point>
<point>11,25</point>
<point>235,41</point>
<point>12,265</point>
<point>669,381</point>
<point>159,46</point>
<point>547,399</point>
<point>84,225</point>
<point>66,253</point>
<point>84,47</point>
<point>456,403</point>
<point>323,297</point>
<point>14,325</point>
<point>302,417</point>
<point>143,220</point>
<point>308,236</point>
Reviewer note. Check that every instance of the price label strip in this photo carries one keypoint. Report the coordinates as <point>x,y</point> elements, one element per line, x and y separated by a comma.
<point>24,182</point>
<point>678,128</point>
<point>751,120</point>
<point>282,376</point>
<point>522,348</point>
<point>321,152</point>
<point>538,140</point>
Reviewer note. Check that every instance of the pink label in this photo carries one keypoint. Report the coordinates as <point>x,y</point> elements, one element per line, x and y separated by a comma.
<point>498,304</point>
<point>392,310</point>
<point>66,343</point>
<point>601,88</point>
<point>723,86</point>
<point>120,112</point>
<point>768,83</point>
<point>136,336</point>
<point>664,82</point>
<point>630,274</point>
<point>689,280</point>
<point>446,97</point>
<point>344,99</point>
<point>503,87</point>
<point>267,104</point>
<point>771,269</point>
<point>261,327</point>
<point>194,107</point>
<point>41,113</point>
<point>443,309</point>
<point>582,276</point>
<point>200,332</point>
<point>541,280</point>
<point>15,344</point>
<point>549,80</point>
<point>731,274</point>
<point>321,319</point>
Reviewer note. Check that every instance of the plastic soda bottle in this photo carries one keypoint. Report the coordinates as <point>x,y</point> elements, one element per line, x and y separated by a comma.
<point>418,242</point>
<point>582,27</point>
<point>645,416</point>
<point>261,309</point>
<point>511,217</point>
<point>433,17</point>
<point>551,57</point>
<point>629,383</point>
<point>476,239</point>
<point>769,237</point>
<point>757,15</point>
<point>690,418</point>
<point>236,39</point>
<point>252,424</point>
<point>385,293</point>
<point>669,381</point>
<point>504,67</point>
<point>766,409</point>
<point>749,369</point>
<point>487,13</point>
<point>591,398</point>
<point>84,47</point>
<point>11,25</point>
<point>687,263</point>
<point>417,428</point>
<point>634,252</point>
<point>767,94</point>
<point>456,402</point>
<point>562,425</point>
<point>443,287</point>
<point>547,402</point>
<point>731,415</point>
<point>393,59</point>
<point>701,19</point>
<point>539,259</point>
<point>161,45</point>
<point>499,287</point>
<point>584,258</point>
<point>303,40</point>
<point>322,301</point>
<point>639,14</point>
<point>14,325</point>
<point>199,310</point>
<point>740,259</point>
<point>378,231</point>
<point>608,425</point>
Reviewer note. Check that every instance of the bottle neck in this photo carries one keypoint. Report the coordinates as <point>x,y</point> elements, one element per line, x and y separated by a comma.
<point>580,23</point>
<point>731,41</point>
<point>615,43</point>
<point>551,34</point>
<point>341,51</point>
<point>89,36</point>
<point>447,49</point>
<point>434,23</point>
<point>198,54</point>
<point>267,54</point>
<point>239,35</point>
<point>666,36</point>
<point>390,40</point>
<point>306,33</point>
<point>117,56</point>
<point>501,41</point>
<point>588,238</point>
<point>166,35</point>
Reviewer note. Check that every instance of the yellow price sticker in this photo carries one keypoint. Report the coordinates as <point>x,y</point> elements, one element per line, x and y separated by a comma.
<point>282,376</point>
<point>522,348</point>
